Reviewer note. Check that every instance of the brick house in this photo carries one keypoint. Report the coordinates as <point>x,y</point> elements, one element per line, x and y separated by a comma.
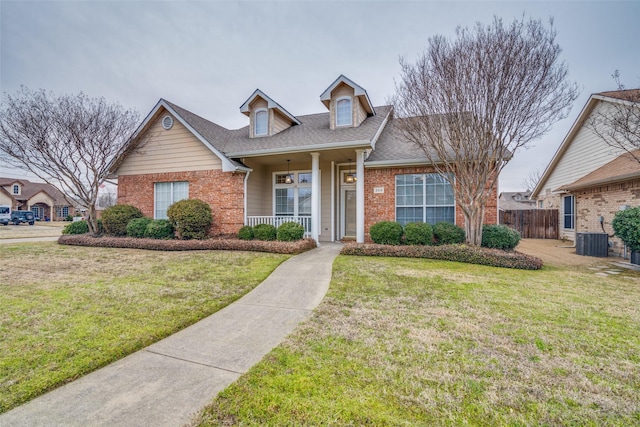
<point>337,172</point>
<point>43,199</point>
<point>587,180</point>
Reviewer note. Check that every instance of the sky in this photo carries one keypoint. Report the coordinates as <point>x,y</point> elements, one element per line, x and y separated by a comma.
<point>209,56</point>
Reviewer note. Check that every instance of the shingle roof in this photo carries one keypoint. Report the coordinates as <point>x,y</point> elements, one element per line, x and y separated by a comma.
<point>30,189</point>
<point>622,168</point>
<point>626,94</point>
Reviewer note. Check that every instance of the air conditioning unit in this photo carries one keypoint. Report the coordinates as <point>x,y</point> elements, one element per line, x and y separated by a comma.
<point>592,244</point>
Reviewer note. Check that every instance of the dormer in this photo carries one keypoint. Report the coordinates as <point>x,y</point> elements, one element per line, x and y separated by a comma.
<point>266,117</point>
<point>14,188</point>
<point>348,103</point>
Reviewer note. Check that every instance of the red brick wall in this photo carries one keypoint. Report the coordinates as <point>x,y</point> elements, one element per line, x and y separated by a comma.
<point>382,206</point>
<point>223,191</point>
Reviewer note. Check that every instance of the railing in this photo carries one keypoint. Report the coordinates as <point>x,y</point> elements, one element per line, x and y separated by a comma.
<point>305,221</point>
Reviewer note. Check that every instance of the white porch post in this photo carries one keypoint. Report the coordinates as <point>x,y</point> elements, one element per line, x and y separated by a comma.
<point>360,196</point>
<point>315,196</point>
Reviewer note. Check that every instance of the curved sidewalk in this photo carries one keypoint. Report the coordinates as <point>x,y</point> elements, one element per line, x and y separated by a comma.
<point>168,382</point>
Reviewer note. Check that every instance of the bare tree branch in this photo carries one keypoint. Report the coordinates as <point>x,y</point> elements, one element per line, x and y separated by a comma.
<point>68,141</point>
<point>472,102</point>
<point>532,180</point>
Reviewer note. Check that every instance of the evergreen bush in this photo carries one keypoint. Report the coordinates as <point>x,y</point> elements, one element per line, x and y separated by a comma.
<point>191,218</point>
<point>80,227</point>
<point>418,233</point>
<point>246,233</point>
<point>386,233</point>
<point>499,237</point>
<point>116,218</point>
<point>290,232</point>
<point>626,225</point>
<point>137,227</point>
<point>265,232</point>
<point>446,233</point>
<point>159,229</point>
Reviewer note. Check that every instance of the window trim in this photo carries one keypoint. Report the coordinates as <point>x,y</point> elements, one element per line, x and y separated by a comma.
<point>16,189</point>
<point>172,195</point>
<point>255,122</point>
<point>424,205</point>
<point>571,215</point>
<point>344,98</point>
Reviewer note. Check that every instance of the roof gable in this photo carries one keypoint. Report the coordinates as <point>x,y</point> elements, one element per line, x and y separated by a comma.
<point>358,91</point>
<point>271,104</point>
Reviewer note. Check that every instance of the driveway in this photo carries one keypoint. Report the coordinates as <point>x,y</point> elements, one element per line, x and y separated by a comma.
<point>561,253</point>
<point>40,231</point>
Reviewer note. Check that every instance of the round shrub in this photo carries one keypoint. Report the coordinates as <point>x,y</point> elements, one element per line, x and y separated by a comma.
<point>446,233</point>
<point>626,225</point>
<point>418,233</point>
<point>246,233</point>
<point>191,218</point>
<point>159,229</point>
<point>386,233</point>
<point>290,232</point>
<point>265,232</point>
<point>80,227</point>
<point>137,227</point>
<point>499,237</point>
<point>116,218</point>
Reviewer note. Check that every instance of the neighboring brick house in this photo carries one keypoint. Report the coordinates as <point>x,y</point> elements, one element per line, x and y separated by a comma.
<point>43,199</point>
<point>337,172</point>
<point>589,181</point>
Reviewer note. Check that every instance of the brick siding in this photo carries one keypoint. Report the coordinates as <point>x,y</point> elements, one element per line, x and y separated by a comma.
<point>223,191</point>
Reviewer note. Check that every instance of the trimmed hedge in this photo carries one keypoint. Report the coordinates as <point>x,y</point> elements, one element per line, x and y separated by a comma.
<point>499,237</point>
<point>80,227</point>
<point>446,233</point>
<point>626,225</point>
<point>418,233</point>
<point>116,218</point>
<point>290,232</point>
<point>265,232</point>
<point>189,245</point>
<point>459,253</point>
<point>191,218</point>
<point>386,233</point>
<point>137,227</point>
<point>159,229</point>
<point>246,233</point>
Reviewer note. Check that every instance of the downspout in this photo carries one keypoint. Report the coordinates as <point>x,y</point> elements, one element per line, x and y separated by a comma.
<point>246,183</point>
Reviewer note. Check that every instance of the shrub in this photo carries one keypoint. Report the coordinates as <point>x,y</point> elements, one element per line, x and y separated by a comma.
<point>386,233</point>
<point>446,233</point>
<point>137,227</point>
<point>191,218</point>
<point>418,233</point>
<point>246,233</point>
<point>159,229</point>
<point>626,225</point>
<point>115,218</point>
<point>499,237</point>
<point>265,232</point>
<point>290,232</point>
<point>80,227</point>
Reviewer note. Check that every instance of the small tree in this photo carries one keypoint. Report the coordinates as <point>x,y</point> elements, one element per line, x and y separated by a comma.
<point>473,102</point>
<point>68,141</point>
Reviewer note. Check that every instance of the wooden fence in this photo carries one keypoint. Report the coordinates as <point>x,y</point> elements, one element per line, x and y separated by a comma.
<point>532,223</point>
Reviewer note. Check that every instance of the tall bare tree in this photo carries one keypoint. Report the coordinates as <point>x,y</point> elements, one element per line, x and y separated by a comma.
<point>618,123</point>
<point>532,180</point>
<point>470,103</point>
<point>68,141</point>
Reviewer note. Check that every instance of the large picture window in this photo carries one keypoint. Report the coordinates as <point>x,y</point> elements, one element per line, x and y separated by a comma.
<point>568,203</point>
<point>166,194</point>
<point>424,198</point>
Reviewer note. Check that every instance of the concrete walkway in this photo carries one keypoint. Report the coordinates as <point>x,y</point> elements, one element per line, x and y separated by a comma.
<point>168,382</point>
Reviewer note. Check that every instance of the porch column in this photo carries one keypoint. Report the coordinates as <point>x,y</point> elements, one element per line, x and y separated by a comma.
<point>315,196</point>
<point>360,196</point>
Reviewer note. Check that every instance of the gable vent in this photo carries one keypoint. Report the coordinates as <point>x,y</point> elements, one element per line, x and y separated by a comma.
<point>167,122</point>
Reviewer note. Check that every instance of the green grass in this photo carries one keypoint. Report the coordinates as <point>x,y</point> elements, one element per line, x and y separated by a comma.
<point>402,342</point>
<point>65,311</point>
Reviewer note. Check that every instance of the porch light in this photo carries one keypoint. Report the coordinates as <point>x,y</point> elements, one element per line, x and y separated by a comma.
<point>288,179</point>
<point>350,178</point>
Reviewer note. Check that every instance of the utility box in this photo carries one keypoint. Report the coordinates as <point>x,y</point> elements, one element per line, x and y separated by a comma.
<point>592,244</point>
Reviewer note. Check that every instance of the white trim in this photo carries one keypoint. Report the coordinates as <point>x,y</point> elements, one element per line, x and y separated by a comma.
<point>315,196</point>
<point>343,205</point>
<point>244,108</point>
<point>360,196</point>
<point>246,194</point>
<point>333,201</point>
<point>338,100</point>
<point>255,122</point>
<point>358,91</point>
<point>424,196</point>
<point>360,144</point>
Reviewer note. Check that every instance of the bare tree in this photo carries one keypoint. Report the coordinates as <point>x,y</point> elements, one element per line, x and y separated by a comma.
<point>68,141</point>
<point>532,180</point>
<point>472,102</point>
<point>618,123</point>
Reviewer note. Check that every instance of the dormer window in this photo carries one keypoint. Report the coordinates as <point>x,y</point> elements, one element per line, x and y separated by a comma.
<point>343,112</point>
<point>261,121</point>
<point>16,189</point>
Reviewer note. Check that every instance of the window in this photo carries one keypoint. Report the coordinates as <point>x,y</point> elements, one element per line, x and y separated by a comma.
<point>62,211</point>
<point>343,112</point>
<point>260,125</point>
<point>292,199</point>
<point>166,194</point>
<point>424,198</point>
<point>568,203</point>
<point>540,204</point>
<point>16,189</point>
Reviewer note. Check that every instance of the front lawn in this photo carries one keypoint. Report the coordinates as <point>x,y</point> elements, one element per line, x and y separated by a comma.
<point>65,310</point>
<point>404,342</point>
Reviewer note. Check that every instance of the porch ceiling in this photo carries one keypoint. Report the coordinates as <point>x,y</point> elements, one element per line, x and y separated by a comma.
<point>339,156</point>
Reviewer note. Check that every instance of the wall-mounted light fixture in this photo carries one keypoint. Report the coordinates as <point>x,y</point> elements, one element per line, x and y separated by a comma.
<point>288,179</point>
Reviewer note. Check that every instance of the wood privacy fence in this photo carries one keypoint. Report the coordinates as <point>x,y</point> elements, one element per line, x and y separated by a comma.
<point>532,223</point>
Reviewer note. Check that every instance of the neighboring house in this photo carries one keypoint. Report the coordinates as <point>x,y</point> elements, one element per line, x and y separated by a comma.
<point>43,199</point>
<point>587,180</point>
<point>517,200</point>
<point>337,172</point>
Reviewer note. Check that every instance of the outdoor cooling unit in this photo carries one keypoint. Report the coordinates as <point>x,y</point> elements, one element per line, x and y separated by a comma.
<point>592,244</point>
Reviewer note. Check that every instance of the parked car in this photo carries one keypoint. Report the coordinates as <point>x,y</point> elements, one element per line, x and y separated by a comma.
<point>5,214</point>
<point>18,217</point>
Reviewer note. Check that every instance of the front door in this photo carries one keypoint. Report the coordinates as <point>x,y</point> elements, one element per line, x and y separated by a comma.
<point>348,226</point>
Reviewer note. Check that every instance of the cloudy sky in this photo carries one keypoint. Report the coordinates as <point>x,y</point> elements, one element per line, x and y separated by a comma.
<point>209,56</point>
